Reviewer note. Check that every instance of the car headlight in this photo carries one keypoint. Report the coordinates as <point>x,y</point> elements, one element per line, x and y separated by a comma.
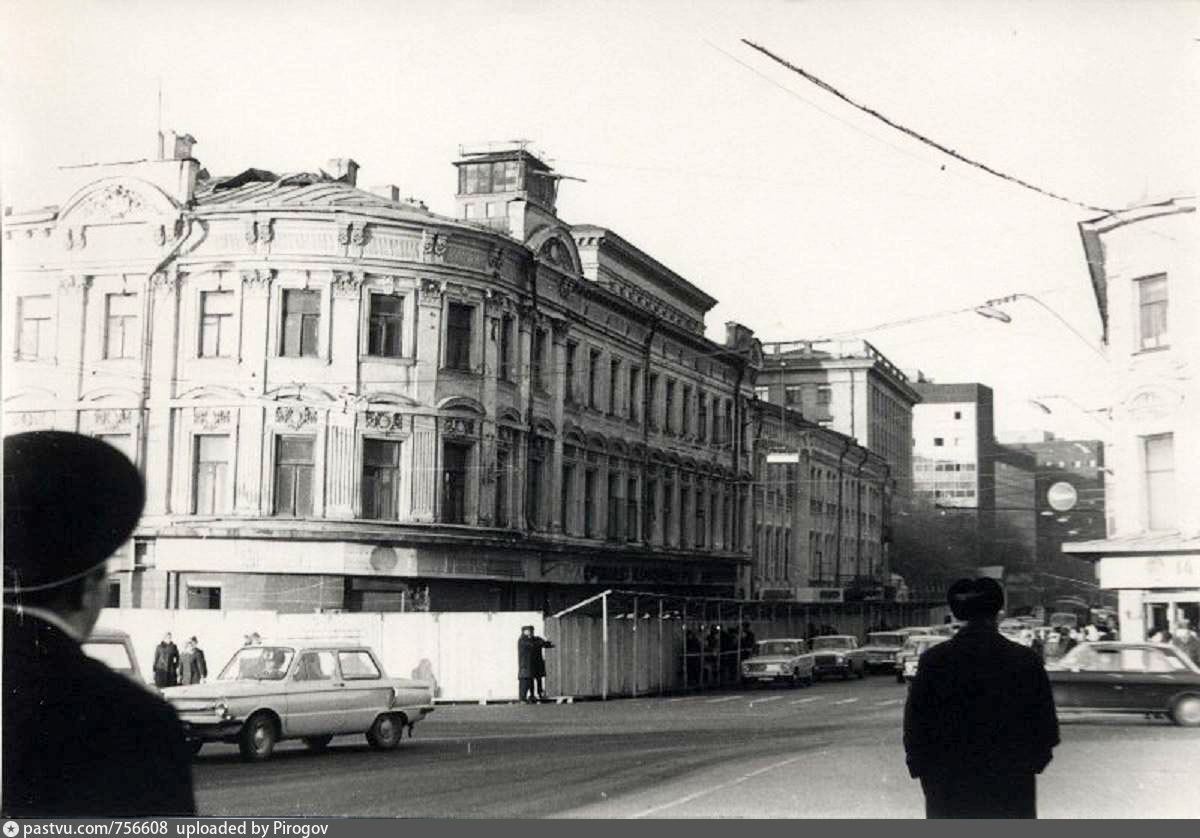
<point>841,658</point>
<point>221,710</point>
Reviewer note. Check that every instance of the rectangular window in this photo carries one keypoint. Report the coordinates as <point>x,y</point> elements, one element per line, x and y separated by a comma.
<point>594,379</point>
<point>121,326</point>
<point>537,365</point>
<point>824,396</point>
<point>668,510</point>
<point>567,497</point>
<point>113,599</point>
<point>34,339</point>
<point>685,419</point>
<point>793,395</point>
<point>381,479</point>
<point>716,419</point>
<point>506,348</point>
<point>614,392</point>
<point>631,510</point>
<point>614,507</point>
<point>669,408</point>
<point>652,399</point>
<point>702,417</point>
<point>533,490</point>
<point>294,475</point>
<point>210,474</point>
<point>386,329</point>
<point>1160,481</point>
<point>569,372</point>
<point>958,414</point>
<point>458,336</point>
<point>1152,311</point>
<point>938,442</point>
<point>763,394</point>
<point>301,323</point>
<point>455,457</point>
<point>503,474</point>
<point>701,524</point>
<point>635,393</point>
<point>216,324</point>
<point>121,442</point>
<point>728,436</point>
<point>589,503</point>
<point>204,597</point>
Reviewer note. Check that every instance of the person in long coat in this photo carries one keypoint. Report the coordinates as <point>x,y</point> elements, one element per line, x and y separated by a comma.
<point>79,740</point>
<point>525,665</point>
<point>193,668</point>
<point>980,723</point>
<point>166,663</point>
<point>539,667</point>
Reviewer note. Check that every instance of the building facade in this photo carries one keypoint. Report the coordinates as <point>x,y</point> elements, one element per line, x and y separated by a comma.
<point>1145,272</point>
<point>342,401</point>
<point>822,511</point>
<point>849,387</point>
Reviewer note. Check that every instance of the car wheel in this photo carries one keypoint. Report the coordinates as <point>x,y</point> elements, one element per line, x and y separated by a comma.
<point>258,738</point>
<point>1186,711</point>
<point>385,733</point>
<point>794,681</point>
<point>318,743</point>
<point>195,745</point>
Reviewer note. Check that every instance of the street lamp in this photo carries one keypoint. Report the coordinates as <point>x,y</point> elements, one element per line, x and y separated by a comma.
<point>990,310</point>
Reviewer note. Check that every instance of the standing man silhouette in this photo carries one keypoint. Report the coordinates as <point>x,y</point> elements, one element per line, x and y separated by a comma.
<point>980,722</point>
<point>79,739</point>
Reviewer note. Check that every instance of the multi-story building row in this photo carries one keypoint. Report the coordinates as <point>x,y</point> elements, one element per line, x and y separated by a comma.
<point>848,386</point>
<point>340,400</point>
<point>822,507</point>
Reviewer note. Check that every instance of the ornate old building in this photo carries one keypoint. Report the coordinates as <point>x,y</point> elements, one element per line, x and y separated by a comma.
<point>340,400</point>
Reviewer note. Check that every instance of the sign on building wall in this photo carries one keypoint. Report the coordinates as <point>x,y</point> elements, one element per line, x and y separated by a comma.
<point>1148,572</point>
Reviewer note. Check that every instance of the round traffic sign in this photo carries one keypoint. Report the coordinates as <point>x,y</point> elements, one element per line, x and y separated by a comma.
<point>1062,496</point>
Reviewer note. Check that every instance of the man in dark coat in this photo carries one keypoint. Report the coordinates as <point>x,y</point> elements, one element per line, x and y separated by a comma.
<point>539,667</point>
<point>79,739</point>
<point>166,663</point>
<point>530,663</point>
<point>980,720</point>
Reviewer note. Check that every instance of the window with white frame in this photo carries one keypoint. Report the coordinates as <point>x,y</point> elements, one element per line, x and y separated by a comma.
<point>385,328</point>
<point>35,339</point>
<point>210,473</point>
<point>121,333</point>
<point>301,323</point>
<point>217,331</point>
<point>1160,481</point>
<point>1152,311</point>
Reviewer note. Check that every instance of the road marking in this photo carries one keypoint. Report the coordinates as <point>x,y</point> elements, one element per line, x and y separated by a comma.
<point>690,797</point>
<point>764,700</point>
<point>685,698</point>
<point>726,698</point>
<point>805,700</point>
<point>889,701</point>
<point>846,701</point>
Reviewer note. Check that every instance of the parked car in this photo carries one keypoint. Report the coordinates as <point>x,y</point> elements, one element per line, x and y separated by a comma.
<point>783,659</point>
<point>113,648</point>
<point>909,631</point>
<point>1113,677</point>
<point>881,649</point>
<point>306,691</point>
<point>838,654</point>
<point>908,657</point>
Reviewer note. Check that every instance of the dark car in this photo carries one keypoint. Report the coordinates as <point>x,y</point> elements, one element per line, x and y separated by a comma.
<point>1111,677</point>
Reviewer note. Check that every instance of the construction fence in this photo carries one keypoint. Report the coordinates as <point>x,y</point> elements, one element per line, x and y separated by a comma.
<point>622,643</point>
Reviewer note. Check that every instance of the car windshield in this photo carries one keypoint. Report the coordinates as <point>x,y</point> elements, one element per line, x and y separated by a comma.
<point>257,663</point>
<point>833,643</point>
<point>778,647</point>
<point>112,653</point>
<point>894,641</point>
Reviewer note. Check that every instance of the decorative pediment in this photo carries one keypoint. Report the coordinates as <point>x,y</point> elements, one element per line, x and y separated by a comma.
<point>556,247</point>
<point>115,201</point>
<point>462,403</point>
<point>214,392</point>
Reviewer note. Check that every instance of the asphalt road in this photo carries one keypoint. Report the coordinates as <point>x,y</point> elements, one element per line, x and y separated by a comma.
<point>833,750</point>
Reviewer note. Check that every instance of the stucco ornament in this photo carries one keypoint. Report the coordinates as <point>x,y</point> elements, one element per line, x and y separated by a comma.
<point>211,418</point>
<point>295,417</point>
<point>114,202</point>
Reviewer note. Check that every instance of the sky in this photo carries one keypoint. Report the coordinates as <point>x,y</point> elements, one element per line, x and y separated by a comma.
<point>804,217</point>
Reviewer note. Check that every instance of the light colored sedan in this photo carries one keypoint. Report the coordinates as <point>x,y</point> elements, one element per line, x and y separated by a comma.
<point>785,659</point>
<point>308,691</point>
<point>908,657</point>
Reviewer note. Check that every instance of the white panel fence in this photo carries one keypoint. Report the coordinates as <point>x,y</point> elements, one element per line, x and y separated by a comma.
<point>471,656</point>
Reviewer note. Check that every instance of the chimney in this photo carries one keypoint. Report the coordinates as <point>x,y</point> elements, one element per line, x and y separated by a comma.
<point>389,191</point>
<point>343,169</point>
<point>175,146</point>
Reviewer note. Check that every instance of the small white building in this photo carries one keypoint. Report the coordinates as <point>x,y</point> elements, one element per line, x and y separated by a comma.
<point>1144,267</point>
